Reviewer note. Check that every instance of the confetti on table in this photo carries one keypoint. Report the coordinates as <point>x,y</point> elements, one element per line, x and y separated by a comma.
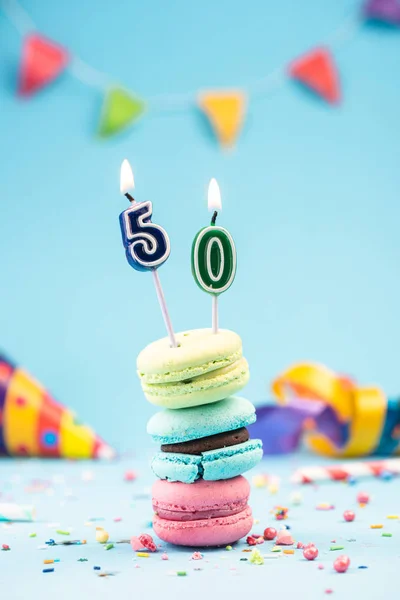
<point>63,532</point>
<point>48,570</point>
<point>256,558</point>
<point>181,573</point>
<point>378,526</point>
<point>109,546</point>
<point>333,548</point>
<point>142,554</point>
<point>386,534</point>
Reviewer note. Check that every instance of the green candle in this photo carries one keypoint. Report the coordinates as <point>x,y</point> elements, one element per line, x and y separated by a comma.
<point>214,255</point>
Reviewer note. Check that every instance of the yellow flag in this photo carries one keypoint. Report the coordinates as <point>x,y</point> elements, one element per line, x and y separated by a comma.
<point>226,112</point>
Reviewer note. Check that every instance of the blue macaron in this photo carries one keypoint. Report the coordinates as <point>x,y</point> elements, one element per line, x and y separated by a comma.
<point>209,441</point>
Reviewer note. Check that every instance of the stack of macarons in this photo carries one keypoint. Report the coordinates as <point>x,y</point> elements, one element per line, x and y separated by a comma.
<point>201,497</point>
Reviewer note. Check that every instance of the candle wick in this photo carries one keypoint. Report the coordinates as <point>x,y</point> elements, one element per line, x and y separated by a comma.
<point>214,218</point>
<point>130,198</point>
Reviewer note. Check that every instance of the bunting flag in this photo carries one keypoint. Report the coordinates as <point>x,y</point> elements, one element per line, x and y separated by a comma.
<point>120,109</point>
<point>317,71</point>
<point>41,63</point>
<point>33,423</point>
<point>225,112</point>
<point>386,11</point>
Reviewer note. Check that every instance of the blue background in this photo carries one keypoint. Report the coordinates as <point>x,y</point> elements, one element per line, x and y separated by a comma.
<point>311,196</point>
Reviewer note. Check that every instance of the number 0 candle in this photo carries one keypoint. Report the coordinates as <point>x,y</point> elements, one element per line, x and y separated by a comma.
<point>214,255</point>
<point>146,244</point>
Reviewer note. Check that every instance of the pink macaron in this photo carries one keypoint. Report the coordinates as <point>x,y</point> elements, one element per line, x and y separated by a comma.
<point>204,513</point>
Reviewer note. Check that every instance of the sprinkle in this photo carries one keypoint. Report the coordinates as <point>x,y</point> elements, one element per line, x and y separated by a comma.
<point>288,551</point>
<point>281,513</point>
<point>5,547</point>
<point>48,570</point>
<point>273,488</point>
<point>386,535</point>
<point>363,498</point>
<point>349,515</point>
<point>63,532</point>
<point>164,556</point>
<point>276,549</point>
<point>56,560</point>
<point>376,526</point>
<point>324,506</point>
<point>363,567</point>
<point>102,536</point>
<point>328,591</point>
<point>96,568</point>
<point>256,558</point>
<point>142,554</point>
<point>392,517</point>
<point>130,476</point>
<point>181,573</point>
<point>244,559</point>
<point>260,481</point>
<point>321,566</point>
<point>32,535</point>
<point>49,561</point>
<point>109,546</point>
<point>332,548</point>
<point>296,498</point>
<point>228,548</point>
<point>82,560</point>
<point>117,519</point>
<point>197,556</point>
<point>341,564</point>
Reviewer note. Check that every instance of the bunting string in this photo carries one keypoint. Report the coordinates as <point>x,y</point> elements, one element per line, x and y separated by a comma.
<point>43,61</point>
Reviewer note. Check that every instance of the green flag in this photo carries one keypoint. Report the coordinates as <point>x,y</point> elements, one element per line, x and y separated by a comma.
<point>120,109</point>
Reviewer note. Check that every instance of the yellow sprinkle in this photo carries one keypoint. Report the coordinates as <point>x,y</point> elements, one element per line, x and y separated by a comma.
<point>376,526</point>
<point>49,561</point>
<point>102,536</point>
<point>276,549</point>
<point>98,528</point>
<point>392,517</point>
<point>143,554</point>
<point>288,551</point>
<point>259,481</point>
<point>273,488</point>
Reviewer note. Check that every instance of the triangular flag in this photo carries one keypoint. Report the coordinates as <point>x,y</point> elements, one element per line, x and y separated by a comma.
<point>42,61</point>
<point>317,70</point>
<point>386,11</point>
<point>33,423</point>
<point>226,112</point>
<point>120,109</point>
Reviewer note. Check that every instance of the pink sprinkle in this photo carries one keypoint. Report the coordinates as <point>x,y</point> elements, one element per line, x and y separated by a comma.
<point>197,556</point>
<point>117,519</point>
<point>164,556</point>
<point>362,498</point>
<point>321,566</point>
<point>310,553</point>
<point>137,566</point>
<point>136,543</point>
<point>328,591</point>
<point>130,476</point>
<point>300,546</point>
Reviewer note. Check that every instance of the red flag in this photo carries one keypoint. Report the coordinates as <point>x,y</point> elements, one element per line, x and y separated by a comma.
<point>42,62</point>
<point>317,70</point>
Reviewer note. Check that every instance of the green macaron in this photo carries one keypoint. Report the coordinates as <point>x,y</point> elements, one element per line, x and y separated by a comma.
<point>205,367</point>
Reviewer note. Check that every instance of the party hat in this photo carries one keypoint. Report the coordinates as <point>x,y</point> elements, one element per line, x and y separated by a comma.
<point>33,423</point>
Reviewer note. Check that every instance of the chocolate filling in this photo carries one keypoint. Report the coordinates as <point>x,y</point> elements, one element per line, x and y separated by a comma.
<point>211,442</point>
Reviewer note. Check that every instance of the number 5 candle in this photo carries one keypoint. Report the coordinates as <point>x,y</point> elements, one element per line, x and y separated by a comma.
<point>214,255</point>
<point>147,245</point>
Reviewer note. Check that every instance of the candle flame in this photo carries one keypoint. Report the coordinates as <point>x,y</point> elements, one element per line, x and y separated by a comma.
<point>214,195</point>
<point>126,180</point>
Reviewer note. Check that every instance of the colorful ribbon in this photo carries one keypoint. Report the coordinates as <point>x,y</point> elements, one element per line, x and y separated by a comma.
<point>337,417</point>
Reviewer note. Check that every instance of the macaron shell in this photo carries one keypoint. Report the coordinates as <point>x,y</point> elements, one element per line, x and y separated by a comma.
<point>173,426</point>
<point>200,496</point>
<point>203,390</point>
<point>205,532</point>
<point>214,465</point>
<point>159,363</point>
<point>178,467</point>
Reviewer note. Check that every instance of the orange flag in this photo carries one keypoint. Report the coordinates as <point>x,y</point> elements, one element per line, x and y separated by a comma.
<point>317,70</point>
<point>225,112</point>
